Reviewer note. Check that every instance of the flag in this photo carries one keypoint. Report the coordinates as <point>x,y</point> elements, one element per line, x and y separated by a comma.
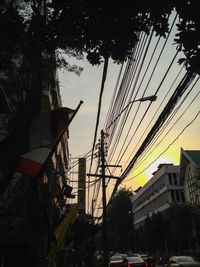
<point>45,133</point>
<point>62,230</point>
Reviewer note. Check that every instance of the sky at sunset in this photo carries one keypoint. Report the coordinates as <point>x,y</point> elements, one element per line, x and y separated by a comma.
<point>167,150</point>
<point>86,88</point>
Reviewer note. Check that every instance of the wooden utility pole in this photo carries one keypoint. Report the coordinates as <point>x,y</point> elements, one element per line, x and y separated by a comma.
<point>103,176</point>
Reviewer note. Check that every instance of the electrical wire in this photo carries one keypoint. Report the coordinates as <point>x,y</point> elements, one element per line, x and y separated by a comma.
<point>183,85</point>
<point>145,55</point>
<point>119,99</point>
<point>141,120</point>
<point>195,117</point>
<point>124,88</point>
<point>105,68</point>
<point>158,109</point>
<point>124,117</point>
<point>143,79</point>
<point>144,157</point>
<point>86,187</point>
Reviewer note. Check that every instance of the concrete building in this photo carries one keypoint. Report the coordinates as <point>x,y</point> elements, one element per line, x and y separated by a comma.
<point>157,195</point>
<point>190,175</point>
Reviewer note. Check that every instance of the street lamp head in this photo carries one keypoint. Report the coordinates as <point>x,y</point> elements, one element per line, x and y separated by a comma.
<point>147,98</point>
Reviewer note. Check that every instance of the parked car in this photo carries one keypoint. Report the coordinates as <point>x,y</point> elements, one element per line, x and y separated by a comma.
<point>118,260</point>
<point>148,260</point>
<point>135,262</point>
<point>183,261</point>
<point>135,255</point>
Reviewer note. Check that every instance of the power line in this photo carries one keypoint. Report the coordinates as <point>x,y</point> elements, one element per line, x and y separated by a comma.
<point>86,187</point>
<point>196,116</point>
<point>183,85</point>
<point>159,107</point>
<point>124,120</point>
<point>147,109</point>
<point>105,68</point>
<point>143,158</point>
<point>135,74</point>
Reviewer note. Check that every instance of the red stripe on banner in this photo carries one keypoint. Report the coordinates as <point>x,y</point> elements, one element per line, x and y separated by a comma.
<point>27,166</point>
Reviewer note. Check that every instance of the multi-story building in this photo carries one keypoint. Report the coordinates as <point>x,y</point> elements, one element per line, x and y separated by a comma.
<point>158,193</point>
<point>190,175</point>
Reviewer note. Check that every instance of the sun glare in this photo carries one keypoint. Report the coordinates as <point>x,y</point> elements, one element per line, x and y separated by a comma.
<point>153,167</point>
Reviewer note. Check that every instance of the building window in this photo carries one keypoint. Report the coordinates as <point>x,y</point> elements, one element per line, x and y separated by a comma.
<point>177,196</point>
<point>170,179</point>
<point>173,196</point>
<point>182,196</point>
<point>175,179</point>
<point>191,188</point>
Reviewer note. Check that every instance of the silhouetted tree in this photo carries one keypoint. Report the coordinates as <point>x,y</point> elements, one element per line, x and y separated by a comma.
<point>176,230</point>
<point>120,221</point>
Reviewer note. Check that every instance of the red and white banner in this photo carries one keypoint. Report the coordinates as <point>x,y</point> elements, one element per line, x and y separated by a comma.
<point>45,131</point>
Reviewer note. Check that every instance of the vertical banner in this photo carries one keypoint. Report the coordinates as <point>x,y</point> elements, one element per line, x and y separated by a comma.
<point>81,184</point>
<point>62,231</point>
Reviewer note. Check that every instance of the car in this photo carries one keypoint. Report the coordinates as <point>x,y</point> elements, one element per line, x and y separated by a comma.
<point>148,260</point>
<point>135,261</point>
<point>183,261</point>
<point>118,260</point>
<point>135,255</point>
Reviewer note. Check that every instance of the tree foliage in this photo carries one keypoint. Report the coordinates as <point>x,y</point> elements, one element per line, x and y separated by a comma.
<point>83,232</point>
<point>98,29</point>
<point>188,33</point>
<point>174,231</point>
<point>120,221</point>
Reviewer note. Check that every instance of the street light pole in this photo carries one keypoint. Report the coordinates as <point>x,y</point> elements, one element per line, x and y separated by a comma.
<point>143,99</point>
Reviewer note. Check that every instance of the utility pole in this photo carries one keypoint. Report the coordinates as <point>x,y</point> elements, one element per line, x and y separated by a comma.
<point>103,176</point>
<point>105,249</point>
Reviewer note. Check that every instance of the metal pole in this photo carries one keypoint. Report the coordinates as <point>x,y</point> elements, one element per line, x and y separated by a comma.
<point>105,252</point>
